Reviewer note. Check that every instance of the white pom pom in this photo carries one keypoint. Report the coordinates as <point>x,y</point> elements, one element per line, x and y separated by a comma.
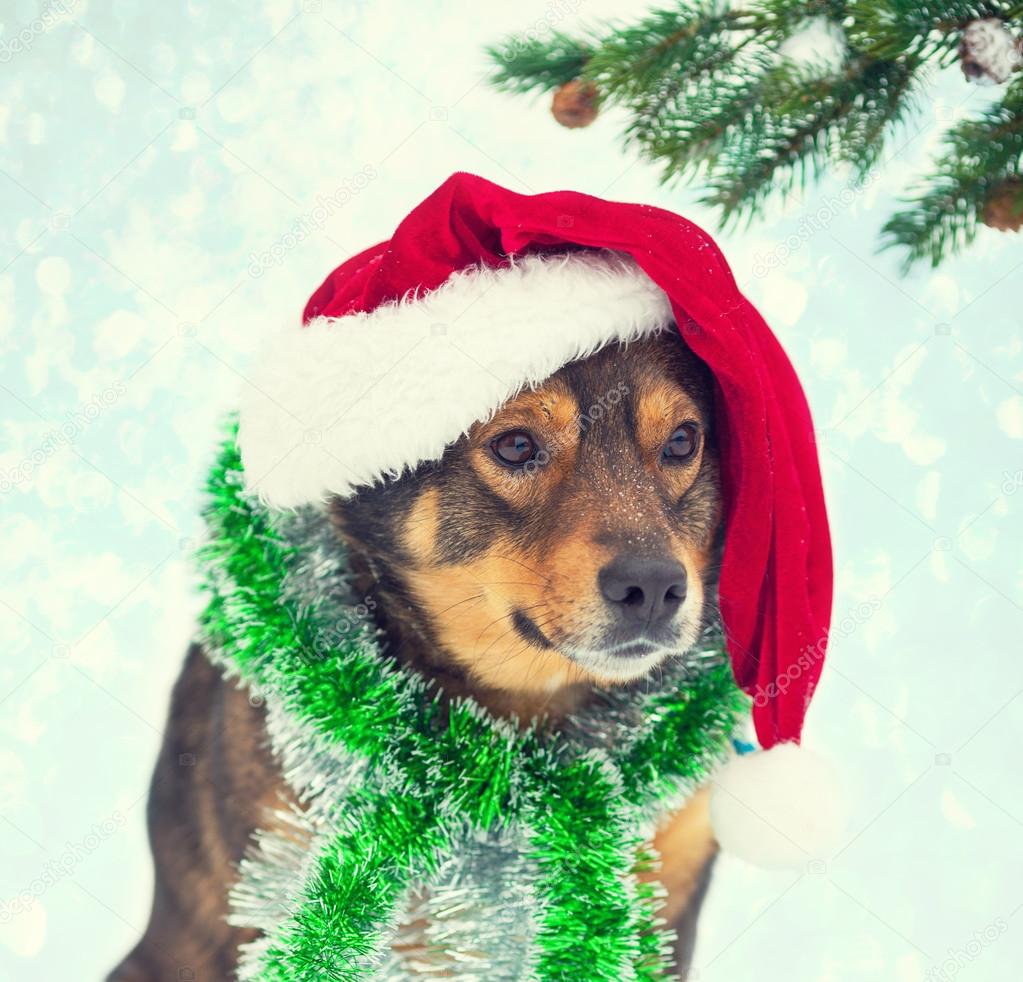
<point>778,808</point>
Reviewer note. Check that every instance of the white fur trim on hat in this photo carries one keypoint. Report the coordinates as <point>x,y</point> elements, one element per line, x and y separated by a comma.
<point>344,402</point>
<point>778,808</point>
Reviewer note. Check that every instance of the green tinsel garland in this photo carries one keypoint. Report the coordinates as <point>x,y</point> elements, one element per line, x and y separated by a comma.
<point>402,792</point>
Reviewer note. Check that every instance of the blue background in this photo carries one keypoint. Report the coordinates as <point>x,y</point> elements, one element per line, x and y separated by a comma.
<point>150,154</point>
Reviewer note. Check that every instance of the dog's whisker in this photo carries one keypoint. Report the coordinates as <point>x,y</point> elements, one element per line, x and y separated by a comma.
<point>526,643</point>
<point>479,596</point>
<point>531,667</point>
<point>535,572</point>
<point>500,637</point>
<point>497,620</point>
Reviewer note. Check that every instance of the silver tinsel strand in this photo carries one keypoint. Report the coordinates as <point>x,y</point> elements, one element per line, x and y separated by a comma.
<point>474,920</point>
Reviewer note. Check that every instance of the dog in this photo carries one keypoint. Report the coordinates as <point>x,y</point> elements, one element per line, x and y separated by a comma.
<point>567,544</point>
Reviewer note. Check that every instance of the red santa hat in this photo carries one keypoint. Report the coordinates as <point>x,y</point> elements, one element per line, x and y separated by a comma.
<point>481,292</point>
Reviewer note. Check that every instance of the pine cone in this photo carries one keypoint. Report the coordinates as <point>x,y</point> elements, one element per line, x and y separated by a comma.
<point>989,51</point>
<point>575,104</point>
<point>1004,206</point>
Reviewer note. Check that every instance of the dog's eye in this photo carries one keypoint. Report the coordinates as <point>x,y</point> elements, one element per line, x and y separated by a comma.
<point>681,444</point>
<point>516,447</point>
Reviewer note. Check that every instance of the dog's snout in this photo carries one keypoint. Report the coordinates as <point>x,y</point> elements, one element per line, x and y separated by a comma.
<point>643,590</point>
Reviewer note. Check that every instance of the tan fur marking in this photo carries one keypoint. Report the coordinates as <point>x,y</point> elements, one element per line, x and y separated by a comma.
<point>661,407</point>
<point>470,607</point>
<point>685,842</point>
<point>552,402</point>
<point>420,530</point>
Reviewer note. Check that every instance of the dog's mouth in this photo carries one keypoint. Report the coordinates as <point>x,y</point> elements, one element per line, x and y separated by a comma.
<point>614,654</point>
<point>637,648</point>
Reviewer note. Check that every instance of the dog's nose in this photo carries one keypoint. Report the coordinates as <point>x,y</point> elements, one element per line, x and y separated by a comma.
<point>645,591</point>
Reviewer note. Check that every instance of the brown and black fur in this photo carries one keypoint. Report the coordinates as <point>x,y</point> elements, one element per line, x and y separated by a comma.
<point>488,580</point>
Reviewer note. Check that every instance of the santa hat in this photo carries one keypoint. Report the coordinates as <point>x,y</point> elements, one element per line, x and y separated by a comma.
<point>481,292</point>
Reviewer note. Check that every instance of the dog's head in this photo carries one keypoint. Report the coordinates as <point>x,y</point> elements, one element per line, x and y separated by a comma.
<point>571,537</point>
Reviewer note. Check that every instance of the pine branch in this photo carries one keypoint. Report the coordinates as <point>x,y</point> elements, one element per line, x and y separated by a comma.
<point>802,123</point>
<point>922,28</point>
<point>709,91</point>
<point>693,38</point>
<point>697,39</point>
<point>980,155</point>
<point>685,124</point>
<point>530,64</point>
<point>877,111</point>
